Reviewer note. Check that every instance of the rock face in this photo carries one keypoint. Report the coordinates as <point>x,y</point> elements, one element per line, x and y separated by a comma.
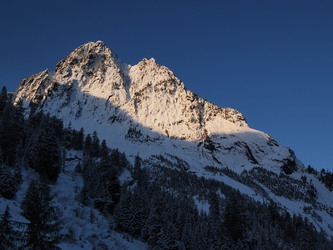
<point>146,109</point>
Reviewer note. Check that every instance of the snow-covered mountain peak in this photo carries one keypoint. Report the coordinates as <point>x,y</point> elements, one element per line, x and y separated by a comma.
<point>90,57</point>
<point>147,106</point>
<point>145,110</point>
<point>148,73</point>
<point>98,47</point>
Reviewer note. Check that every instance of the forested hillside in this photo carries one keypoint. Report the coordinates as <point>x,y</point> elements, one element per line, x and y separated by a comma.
<point>159,203</point>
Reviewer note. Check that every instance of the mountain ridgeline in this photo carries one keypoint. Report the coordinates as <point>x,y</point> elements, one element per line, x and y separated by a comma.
<point>139,160</point>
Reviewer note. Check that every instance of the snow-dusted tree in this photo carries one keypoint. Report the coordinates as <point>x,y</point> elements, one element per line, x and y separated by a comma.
<point>43,227</point>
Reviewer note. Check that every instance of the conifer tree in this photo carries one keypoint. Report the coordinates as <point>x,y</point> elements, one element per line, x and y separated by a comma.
<point>137,167</point>
<point>46,155</point>
<point>153,227</point>
<point>79,140</point>
<point>8,135</point>
<point>104,150</point>
<point>234,221</point>
<point>109,185</point>
<point>18,119</point>
<point>214,227</point>
<point>87,147</point>
<point>95,144</point>
<point>3,99</point>
<point>8,183</point>
<point>115,158</point>
<point>11,129</point>
<point>123,211</point>
<point>37,207</point>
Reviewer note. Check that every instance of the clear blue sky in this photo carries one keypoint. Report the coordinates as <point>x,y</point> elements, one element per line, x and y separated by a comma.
<point>271,60</point>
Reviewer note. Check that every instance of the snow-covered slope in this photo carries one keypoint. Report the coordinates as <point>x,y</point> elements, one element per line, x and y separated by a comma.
<point>81,227</point>
<point>146,109</point>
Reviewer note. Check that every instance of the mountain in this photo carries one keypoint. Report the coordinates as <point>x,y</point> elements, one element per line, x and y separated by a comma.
<point>188,146</point>
<point>146,109</point>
